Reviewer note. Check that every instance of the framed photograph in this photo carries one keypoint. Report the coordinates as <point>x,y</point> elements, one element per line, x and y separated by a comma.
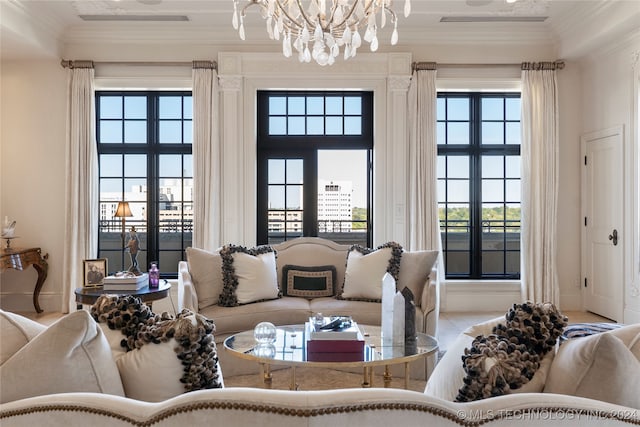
<point>94,271</point>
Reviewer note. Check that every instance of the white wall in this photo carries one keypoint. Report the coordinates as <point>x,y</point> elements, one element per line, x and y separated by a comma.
<point>33,144</point>
<point>609,98</point>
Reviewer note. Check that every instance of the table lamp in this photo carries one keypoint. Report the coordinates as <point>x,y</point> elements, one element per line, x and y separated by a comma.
<point>123,211</point>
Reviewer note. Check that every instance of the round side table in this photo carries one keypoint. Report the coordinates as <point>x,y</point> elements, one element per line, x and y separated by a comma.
<point>146,294</point>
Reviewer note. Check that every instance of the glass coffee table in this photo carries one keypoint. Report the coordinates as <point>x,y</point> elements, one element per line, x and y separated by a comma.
<point>290,350</point>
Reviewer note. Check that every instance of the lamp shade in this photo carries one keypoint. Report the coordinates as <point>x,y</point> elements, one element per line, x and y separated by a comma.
<point>123,210</point>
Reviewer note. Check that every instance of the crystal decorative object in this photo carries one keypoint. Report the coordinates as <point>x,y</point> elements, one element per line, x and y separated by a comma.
<point>268,351</point>
<point>317,29</point>
<point>388,292</point>
<point>265,333</point>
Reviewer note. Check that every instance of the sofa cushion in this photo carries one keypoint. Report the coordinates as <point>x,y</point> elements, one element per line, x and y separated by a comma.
<point>600,367</point>
<point>182,349</point>
<point>415,267</point>
<point>366,268</point>
<point>281,311</point>
<point>205,269</point>
<point>71,355</point>
<point>144,344</point>
<point>308,282</point>
<point>248,274</point>
<point>448,375</point>
<point>508,358</point>
<point>16,331</point>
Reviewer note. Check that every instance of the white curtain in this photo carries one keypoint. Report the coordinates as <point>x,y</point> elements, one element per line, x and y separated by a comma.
<point>423,156</point>
<point>81,205</point>
<point>423,200</point>
<point>539,185</point>
<point>206,160</point>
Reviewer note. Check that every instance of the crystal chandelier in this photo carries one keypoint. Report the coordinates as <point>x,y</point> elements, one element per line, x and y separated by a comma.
<point>321,27</point>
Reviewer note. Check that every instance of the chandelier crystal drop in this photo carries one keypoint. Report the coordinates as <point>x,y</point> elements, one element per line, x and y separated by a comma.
<point>319,28</point>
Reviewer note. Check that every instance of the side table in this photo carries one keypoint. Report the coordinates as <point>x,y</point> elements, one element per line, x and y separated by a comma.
<point>146,294</point>
<point>20,259</point>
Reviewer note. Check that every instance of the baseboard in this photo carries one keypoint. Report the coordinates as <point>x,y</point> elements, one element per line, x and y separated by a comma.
<point>631,316</point>
<point>479,296</point>
<point>23,302</point>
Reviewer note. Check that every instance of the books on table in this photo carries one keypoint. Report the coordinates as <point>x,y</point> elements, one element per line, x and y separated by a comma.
<point>346,329</point>
<point>342,345</point>
<point>125,283</point>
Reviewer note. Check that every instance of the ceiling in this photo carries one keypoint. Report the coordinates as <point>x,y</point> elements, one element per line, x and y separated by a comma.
<point>36,28</point>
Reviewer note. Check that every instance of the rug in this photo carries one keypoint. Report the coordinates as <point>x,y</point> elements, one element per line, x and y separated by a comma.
<point>318,379</point>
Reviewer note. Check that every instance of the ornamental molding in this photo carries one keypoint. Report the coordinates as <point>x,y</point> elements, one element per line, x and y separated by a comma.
<point>230,83</point>
<point>635,58</point>
<point>397,83</point>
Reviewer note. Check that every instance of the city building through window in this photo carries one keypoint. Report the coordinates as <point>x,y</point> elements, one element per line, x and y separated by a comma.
<point>314,166</point>
<point>144,147</point>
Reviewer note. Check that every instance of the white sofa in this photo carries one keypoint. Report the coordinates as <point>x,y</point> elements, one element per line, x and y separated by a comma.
<point>200,277</point>
<point>348,407</point>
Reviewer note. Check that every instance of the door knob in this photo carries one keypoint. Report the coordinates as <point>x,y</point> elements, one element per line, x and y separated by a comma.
<point>614,237</point>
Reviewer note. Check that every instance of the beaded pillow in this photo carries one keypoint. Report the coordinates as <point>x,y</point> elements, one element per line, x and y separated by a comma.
<point>508,358</point>
<point>181,347</point>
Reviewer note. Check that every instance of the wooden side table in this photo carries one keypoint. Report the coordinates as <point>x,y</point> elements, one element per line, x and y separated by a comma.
<point>146,294</point>
<point>21,259</point>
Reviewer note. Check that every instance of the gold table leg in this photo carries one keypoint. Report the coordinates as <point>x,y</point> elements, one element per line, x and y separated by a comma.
<point>292,384</point>
<point>266,375</point>
<point>367,380</point>
<point>406,375</point>
<point>387,377</point>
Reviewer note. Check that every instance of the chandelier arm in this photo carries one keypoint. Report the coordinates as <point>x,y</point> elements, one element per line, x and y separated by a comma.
<point>347,16</point>
<point>251,3</point>
<point>302,12</point>
<point>391,13</point>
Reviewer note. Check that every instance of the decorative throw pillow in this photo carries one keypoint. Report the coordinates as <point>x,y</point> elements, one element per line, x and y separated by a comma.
<point>415,267</point>
<point>494,366</point>
<point>16,331</point>
<point>509,358</point>
<point>308,282</point>
<point>71,355</point>
<point>598,367</point>
<point>249,275</point>
<point>366,268</point>
<point>182,348</point>
<point>205,269</point>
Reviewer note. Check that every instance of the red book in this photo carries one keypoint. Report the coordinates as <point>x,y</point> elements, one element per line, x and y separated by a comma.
<point>335,346</point>
<point>334,357</point>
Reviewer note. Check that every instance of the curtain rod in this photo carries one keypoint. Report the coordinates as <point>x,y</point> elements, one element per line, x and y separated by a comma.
<point>66,63</point>
<point>551,65</point>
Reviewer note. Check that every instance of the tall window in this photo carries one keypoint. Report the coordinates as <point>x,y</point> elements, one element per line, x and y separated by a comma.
<point>314,166</point>
<point>144,147</point>
<point>479,184</point>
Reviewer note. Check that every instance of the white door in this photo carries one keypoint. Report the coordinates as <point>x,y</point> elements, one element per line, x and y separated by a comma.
<point>602,254</point>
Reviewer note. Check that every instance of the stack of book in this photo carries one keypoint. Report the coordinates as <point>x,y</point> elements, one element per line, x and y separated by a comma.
<point>125,283</point>
<point>333,345</point>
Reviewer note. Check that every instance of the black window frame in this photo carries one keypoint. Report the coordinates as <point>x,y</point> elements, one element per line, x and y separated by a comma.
<point>153,149</point>
<point>475,150</point>
<point>306,147</point>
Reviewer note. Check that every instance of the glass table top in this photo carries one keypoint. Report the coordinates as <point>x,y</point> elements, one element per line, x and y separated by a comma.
<point>290,348</point>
